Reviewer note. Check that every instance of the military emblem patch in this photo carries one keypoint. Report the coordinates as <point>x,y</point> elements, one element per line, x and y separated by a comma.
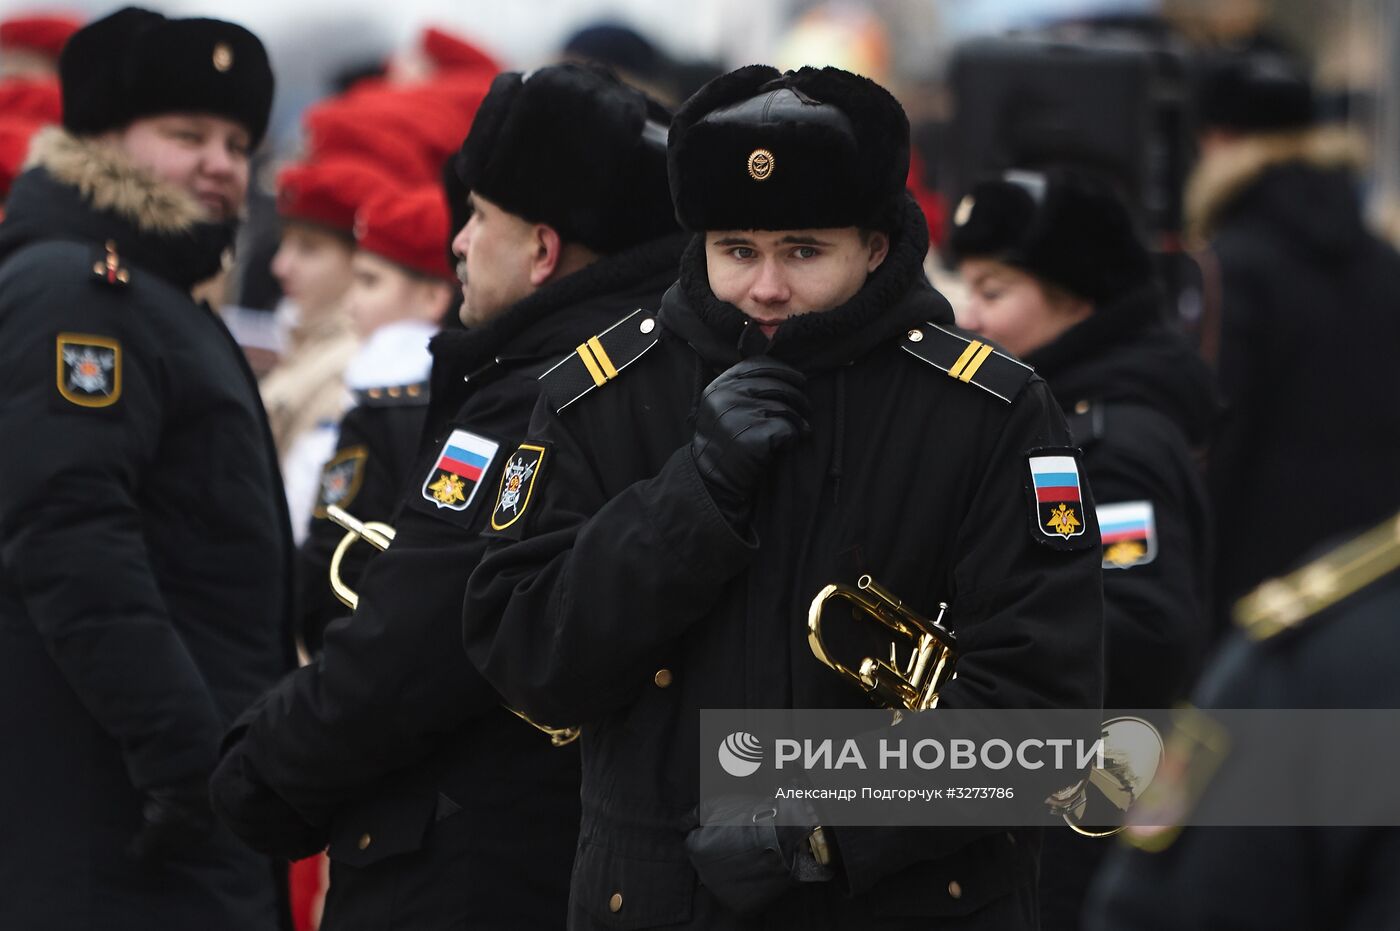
<point>1059,508</point>
<point>456,474</point>
<point>1129,533</point>
<point>341,479</point>
<point>517,484</point>
<point>89,370</point>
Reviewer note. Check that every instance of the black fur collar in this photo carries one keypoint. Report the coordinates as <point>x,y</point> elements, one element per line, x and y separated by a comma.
<point>896,296</point>
<point>525,331</point>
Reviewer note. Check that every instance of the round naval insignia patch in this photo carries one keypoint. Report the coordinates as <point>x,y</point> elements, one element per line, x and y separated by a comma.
<point>89,370</point>
<point>341,479</point>
<point>517,484</point>
<point>760,164</point>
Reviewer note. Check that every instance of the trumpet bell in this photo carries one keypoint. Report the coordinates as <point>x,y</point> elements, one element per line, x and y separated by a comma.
<point>1132,753</point>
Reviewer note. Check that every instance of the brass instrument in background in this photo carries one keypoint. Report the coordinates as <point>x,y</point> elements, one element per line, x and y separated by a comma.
<point>380,536</point>
<point>1132,746</point>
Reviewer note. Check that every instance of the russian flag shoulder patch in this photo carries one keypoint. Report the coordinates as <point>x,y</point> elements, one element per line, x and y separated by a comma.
<point>1129,533</point>
<point>1057,500</point>
<point>455,478</point>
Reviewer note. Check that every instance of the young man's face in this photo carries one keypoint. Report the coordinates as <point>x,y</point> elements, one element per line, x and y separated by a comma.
<point>383,293</point>
<point>496,249</point>
<point>205,155</point>
<point>772,275</point>
<point>313,267</point>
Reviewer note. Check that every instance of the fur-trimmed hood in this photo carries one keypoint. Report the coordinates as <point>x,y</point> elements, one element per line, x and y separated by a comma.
<point>109,181</point>
<point>78,188</point>
<point>1222,180</point>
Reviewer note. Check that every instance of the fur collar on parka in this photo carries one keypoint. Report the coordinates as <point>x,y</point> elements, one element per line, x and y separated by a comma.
<point>1221,179</point>
<point>78,188</point>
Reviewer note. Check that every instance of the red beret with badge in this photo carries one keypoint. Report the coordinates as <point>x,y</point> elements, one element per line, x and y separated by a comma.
<point>409,228</point>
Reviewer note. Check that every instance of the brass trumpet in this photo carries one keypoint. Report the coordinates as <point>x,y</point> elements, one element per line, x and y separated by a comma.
<point>380,536</point>
<point>1132,746</point>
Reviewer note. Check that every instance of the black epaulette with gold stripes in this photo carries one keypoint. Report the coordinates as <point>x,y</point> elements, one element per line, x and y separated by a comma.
<point>392,395</point>
<point>599,360</point>
<point>968,360</point>
<point>1286,603</point>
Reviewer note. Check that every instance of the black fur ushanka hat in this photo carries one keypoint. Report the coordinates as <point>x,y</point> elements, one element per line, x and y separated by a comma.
<point>136,63</point>
<point>810,149</point>
<point>1063,226</point>
<point>573,147</point>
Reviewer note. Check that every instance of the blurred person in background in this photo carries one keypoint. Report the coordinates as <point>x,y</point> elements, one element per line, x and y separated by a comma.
<point>399,298</point>
<point>305,393</point>
<point>1295,645</point>
<point>30,44</point>
<point>1057,274</point>
<point>145,562</point>
<point>441,807</point>
<point>1303,327</point>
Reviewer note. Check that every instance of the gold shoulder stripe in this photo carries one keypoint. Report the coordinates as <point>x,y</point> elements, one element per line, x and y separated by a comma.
<point>1280,604</point>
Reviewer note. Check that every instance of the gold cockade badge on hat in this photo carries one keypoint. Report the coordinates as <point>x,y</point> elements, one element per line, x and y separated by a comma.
<point>223,57</point>
<point>760,164</point>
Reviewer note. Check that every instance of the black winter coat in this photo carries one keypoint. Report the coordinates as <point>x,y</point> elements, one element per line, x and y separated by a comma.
<point>441,808</point>
<point>1285,878</point>
<point>145,554</point>
<point>1139,401</point>
<point>630,602</point>
<point>1307,347</point>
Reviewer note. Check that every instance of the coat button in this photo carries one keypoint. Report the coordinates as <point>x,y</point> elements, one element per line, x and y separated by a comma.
<point>663,678</point>
<point>615,903</point>
<point>1082,407</point>
<point>365,841</point>
<point>916,336</point>
<point>955,889</point>
<point>414,391</point>
<point>395,392</point>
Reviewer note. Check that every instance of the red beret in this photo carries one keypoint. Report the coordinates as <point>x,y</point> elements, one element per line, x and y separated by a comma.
<point>435,122</point>
<point>32,98</point>
<point>452,52</point>
<point>338,129</point>
<point>328,192</point>
<point>14,148</point>
<point>46,34</point>
<point>409,228</point>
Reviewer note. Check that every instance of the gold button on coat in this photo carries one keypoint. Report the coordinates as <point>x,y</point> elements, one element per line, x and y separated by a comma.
<point>955,889</point>
<point>615,903</point>
<point>663,678</point>
<point>365,841</point>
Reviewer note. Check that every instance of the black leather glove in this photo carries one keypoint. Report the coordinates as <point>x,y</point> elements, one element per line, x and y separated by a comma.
<point>249,807</point>
<point>747,861</point>
<point>174,818</point>
<point>745,416</point>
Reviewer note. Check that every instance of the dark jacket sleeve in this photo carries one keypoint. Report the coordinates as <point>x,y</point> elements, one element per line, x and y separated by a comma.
<point>551,619</point>
<point>71,528</point>
<point>372,457</point>
<point>391,680</point>
<point>1028,617</point>
<point>1155,628</point>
